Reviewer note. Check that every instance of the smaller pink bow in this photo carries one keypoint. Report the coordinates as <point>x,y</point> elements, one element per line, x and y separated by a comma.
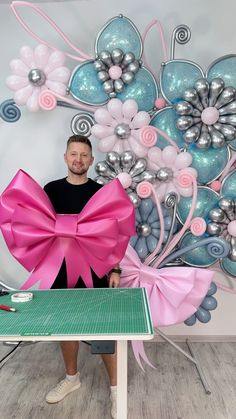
<point>175,293</point>
<point>40,239</point>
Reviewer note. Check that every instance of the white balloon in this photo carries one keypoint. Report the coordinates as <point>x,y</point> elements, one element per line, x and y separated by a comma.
<point>22,95</point>
<point>56,87</point>
<point>19,68</point>
<point>183,160</point>
<point>61,74</point>
<point>129,108</point>
<point>141,119</point>
<point>41,55</point>
<point>33,101</point>
<point>56,59</point>
<point>27,56</point>
<point>107,144</point>
<point>14,82</point>
<point>115,109</point>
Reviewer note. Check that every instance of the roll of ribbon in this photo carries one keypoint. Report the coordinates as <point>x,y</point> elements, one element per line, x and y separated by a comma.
<point>22,297</point>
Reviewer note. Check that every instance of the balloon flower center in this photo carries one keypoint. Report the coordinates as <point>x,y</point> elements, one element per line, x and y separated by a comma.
<point>210,115</point>
<point>122,131</point>
<point>115,72</point>
<point>37,77</point>
<point>164,174</point>
<point>143,229</point>
<point>232,228</point>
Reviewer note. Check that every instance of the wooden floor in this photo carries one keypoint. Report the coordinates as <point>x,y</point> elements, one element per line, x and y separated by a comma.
<point>172,391</point>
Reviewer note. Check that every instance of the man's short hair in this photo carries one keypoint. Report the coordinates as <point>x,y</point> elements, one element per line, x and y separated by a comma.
<point>79,139</point>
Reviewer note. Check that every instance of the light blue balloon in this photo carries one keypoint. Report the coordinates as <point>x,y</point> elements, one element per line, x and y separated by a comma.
<point>209,303</point>
<point>176,76</point>
<point>143,90</point>
<point>212,290</point>
<point>224,67</point>
<point>85,86</point>
<point>141,247</point>
<point>151,243</point>
<point>209,163</point>
<point>204,316</point>
<point>206,200</point>
<point>165,120</point>
<point>229,266</point>
<point>229,185</point>
<point>198,256</point>
<point>145,208</point>
<point>191,320</point>
<point>119,32</point>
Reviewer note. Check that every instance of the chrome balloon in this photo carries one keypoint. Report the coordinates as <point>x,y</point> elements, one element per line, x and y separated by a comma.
<point>127,162</point>
<point>122,131</point>
<point>37,77</point>
<point>223,223</point>
<point>106,61</point>
<point>82,123</point>
<point>207,114</point>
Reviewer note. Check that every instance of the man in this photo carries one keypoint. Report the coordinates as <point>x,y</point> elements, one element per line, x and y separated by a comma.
<point>68,196</point>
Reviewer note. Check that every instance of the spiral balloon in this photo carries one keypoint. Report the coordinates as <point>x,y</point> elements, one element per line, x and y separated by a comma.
<point>9,112</point>
<point>82,123</point>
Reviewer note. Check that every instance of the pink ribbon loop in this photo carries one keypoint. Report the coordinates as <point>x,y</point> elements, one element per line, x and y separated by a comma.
<point>40,239</point>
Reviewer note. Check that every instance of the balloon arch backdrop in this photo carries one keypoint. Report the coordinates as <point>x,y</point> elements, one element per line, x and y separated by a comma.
<point>171,142</point>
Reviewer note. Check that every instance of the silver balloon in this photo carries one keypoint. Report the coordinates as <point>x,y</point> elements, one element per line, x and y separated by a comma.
<point>82,123</point>
<point>117,55</point>
<point>184,108</point>
<point>122,131</point>
<point>134,66</point>
<point>138,167</point>
<point>191,95</point>
<point>217,139</point>
<point>204,141</point>
<point>226,205</point>
<point>228,131</point>
<point>226,96</point>
<point>128,159</point>
<point>215,229</point>
<point>108,86</point>
<point>113,160</point>
<point>105,57</point>
<point>192,134</point>
<point>37,77</point>
<point>99,65</point>
<point>103,169</point>
<point>118,86</point>
<point>216,87</point>
<point>230,119</point>
<point>102,180</point>
<point>228,109</point>
<point>164,174</point>
<point>103,75</point>
<point>127,77</point>
<point>202,88</point>
<point>143,229</point>
<point>184,122</point>
<point>134,198</point>
<point>128,58</point>
<point>148,176</point>
<point>232,253</point>
<point>217,215</point>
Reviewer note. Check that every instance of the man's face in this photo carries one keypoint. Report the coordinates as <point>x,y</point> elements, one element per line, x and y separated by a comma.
<point>78,158</point>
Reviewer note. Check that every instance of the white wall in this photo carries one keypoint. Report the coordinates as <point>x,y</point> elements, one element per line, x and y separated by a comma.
<point>36,142</point>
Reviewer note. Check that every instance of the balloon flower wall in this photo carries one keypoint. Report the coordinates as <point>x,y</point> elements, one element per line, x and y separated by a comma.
<point>169,139</point>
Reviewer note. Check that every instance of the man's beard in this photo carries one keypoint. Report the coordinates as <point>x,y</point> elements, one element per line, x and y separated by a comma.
<point>79,172</point>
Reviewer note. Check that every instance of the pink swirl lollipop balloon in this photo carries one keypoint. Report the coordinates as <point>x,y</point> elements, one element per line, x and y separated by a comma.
<point>47,100</point>
<point>198,226</point>
<point>144,189</point>
<point>148,136</point>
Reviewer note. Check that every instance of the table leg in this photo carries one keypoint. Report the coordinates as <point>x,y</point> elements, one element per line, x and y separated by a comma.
<point>122,361</point>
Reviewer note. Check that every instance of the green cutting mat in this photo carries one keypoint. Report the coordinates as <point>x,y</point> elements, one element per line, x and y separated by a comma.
<point>78,312</point>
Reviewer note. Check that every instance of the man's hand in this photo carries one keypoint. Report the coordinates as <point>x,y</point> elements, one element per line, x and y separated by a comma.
<point>114,280</point>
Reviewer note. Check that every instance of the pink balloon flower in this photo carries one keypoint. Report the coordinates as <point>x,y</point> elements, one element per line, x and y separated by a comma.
<point>173,171</point>
<point>118,127</point>
<point>35,71</point>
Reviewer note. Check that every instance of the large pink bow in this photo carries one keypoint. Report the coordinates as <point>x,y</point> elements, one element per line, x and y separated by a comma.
<point>175,293</point>
<point>40,239</point>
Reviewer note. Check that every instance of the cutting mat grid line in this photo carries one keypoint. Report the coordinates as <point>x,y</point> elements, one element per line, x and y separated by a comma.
<point>117,311</point>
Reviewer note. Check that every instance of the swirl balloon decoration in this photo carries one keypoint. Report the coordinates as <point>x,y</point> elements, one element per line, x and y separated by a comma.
<point>82,123</point>
<point>207,114</point>
<point>9,112</point>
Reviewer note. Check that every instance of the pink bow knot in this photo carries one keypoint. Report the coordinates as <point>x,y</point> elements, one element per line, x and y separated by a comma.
<point>40,239</point>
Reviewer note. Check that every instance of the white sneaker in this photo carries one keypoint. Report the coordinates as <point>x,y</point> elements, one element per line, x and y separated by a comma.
<point>62,389</point>
<point>113,398</point>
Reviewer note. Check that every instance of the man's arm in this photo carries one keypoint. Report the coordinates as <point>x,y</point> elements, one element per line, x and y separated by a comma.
<point>114,277</point>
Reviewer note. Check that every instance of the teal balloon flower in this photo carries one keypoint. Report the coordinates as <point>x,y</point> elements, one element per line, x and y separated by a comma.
<point>117,70</point>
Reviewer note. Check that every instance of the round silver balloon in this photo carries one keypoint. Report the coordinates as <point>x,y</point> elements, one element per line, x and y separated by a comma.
<point>99,65</point>
<point>192,134</point>
<point>103,169</point>
<point>184,122</point>
<point>128,159</point>
<point>184,108</point>
<point>103,75</point>
<point>105,57</point>
<point>37,77</point>
<point>226,205</point>
<point>133,67</point>
<point>128,58</point>
<point>217,215</point>
<point>122,131</point>
<point>108,86</point>
<point>143,229</point>
<point>113,159</point>
<point>118,86</point>
<point>232,253</point>
<point>164,174</point>
<point>215,229</point>
<point>134,198</point>
<point>117,55</point>
<point>127,77</point>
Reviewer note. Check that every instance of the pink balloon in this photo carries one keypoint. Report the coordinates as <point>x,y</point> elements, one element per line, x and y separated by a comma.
<point>101,131</point>
<point>169,155</point>
<point>41,54</point>
<point>183,160</point>
<point>129,108</point>
<point>144,189</point>
<point>160,103</point>
<point>232,228</point>
<point>33,101</point>
<point>115,72</point>
<point>47,100</point>
<point>107,143</point>
<point>16,82</point>
<point>114,107</point>
<point>140,120</point>
<point>103,117</point>
<point>56,59</point>
<point>27,56</point>
<point>61,74</point>
<point>56,87</point>
<point>22,95</point>
<point>216,185</point>
<point>155,157</point>
<point>198,226</point>
<point>137,147</point>
<point>125,179</point>
<point>210,116</point>
<point>19,68</point>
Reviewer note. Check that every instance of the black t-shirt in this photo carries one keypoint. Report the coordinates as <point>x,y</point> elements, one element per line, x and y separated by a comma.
<point>71,199</point>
